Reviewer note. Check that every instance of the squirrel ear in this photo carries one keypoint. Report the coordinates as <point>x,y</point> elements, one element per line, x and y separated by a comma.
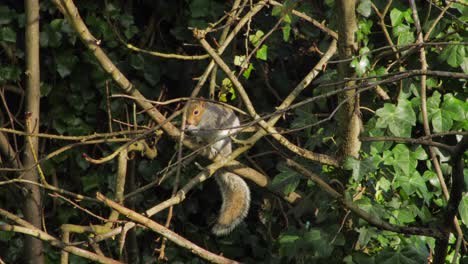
<point>202,102</point>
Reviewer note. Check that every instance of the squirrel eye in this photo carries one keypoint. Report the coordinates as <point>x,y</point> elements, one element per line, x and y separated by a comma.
<point>196,112</point>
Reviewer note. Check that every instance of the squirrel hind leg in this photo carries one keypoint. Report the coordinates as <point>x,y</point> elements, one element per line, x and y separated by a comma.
<point>236,202</point>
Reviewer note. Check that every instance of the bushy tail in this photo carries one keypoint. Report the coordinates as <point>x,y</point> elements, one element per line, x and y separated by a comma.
<point>236,202</point>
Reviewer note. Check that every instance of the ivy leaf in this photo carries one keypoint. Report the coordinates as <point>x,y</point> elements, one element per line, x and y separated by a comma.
<point>199,8</point>
<point>402,216</point>
<point>364,8</point>
<point>361,65</point>
<point>247,72</point>
<point>276,11</point>
<point>57,24</point>
<point>419,153</point>
<point>7,34</point>
<point>464,65</point>
<point>364,29</point>
<point>404,35</point>
<point>6,15</point>
<point>431,176</point>
<point>455,108</point>
<point>289,245</point>
<point>304,117</point>
<point>287,180</point>
<point>89,182</point>
<point>45,89</point>
<point>454,55</point>
<point>365,235</point>
<point>254,39</point>
<point>262,53</point>
<point>318,241</point>
<point>9,73</point>
<point>137,62</point>
<point>440,121</point>
<point>413,183</point>
<point>65,64</point>
<point>406,255</point>
<point>396,17</point>
<point>398,119</point>
<point>360,168</point>
<point>286,32</point>
<point>240,61</point>
<point>463,209</point>
<point>402,160</point>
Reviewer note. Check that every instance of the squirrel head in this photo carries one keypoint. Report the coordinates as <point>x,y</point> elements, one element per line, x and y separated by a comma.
<point>195,112</point>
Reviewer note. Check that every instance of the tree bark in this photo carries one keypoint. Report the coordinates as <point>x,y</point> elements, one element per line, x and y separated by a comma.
<point>349,120</point>
<point>32,207</point>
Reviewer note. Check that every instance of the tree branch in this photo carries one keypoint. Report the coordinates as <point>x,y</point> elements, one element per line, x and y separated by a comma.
<point>160,229</point>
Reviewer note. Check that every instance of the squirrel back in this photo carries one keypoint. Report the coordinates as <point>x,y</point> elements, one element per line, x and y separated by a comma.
<point>213,124</point>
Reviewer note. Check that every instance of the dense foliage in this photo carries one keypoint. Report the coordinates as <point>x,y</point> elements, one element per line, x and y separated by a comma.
<point>392,180</point>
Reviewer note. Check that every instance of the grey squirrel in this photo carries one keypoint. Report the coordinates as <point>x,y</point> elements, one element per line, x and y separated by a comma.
<point>213,124</point>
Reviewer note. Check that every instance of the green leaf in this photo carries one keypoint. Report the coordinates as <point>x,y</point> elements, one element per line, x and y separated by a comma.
<point>359,257</point>
<point>419,153</point>
<point>50,36</point>
<point>402,161</point>
<point>137,61</point>
<point>408,15</point>
<point>431,176</point>
<point>288,239</point>
<point>365,235</point>
<point>152,73</point>
<point>464,65</point>
<point>262,53</point>
<point>398,119</point>
<point>286,32</point>
<point>288,245</point>
<point>9,73</point>
<point>463,209</point>
<point>402,216</point>
<point>413,183</point>
<point>431,82</point>
<point>312,235</point>
<point>360,168</point>
<point>247,72</point>
<point>276,11</point>
<point>6,236</point>
<point>7,34</point>
<point>56,24</point>
<point>199,8</point>
<point>65,64</point>
<point>6,15</point>
<point>455,108</point>
<point>287,180</point>
<point>364,8</point>
<point>364,29</point>
<point>318,241</point>
<point>240,61</point>
<point>45,89</point>
<point>89,182</point>
<point>405,37</point>
<point>440,121</point>
<point>396,17</point>
<point>454,55</point>
<point>406,255</point>
<point>361,64</point>
<point>254,39</point>
<point>384,184</point>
